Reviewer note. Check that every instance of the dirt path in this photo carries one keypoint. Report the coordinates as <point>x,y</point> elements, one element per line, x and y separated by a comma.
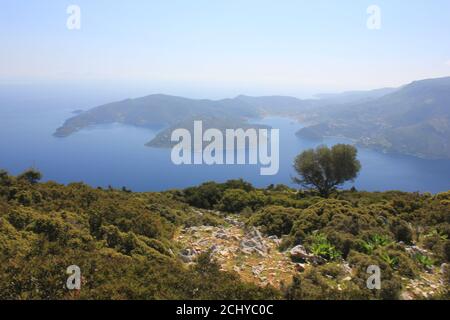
<point>257,259</point>
<point>254,257</point>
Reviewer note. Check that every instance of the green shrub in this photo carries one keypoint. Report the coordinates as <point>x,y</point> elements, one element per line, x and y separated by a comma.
<point>275,220</point>
<point>402,231</point>
<point>204,196</point>
<point>53,229</point>
<point>320,246</point>
<point>31,176</point>
<point>390,290</point>
<point>447,251</point>
<point>235,200</point>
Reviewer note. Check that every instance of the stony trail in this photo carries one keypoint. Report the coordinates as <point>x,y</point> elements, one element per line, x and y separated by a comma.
<point>254,257</point>
<point>257,258</point>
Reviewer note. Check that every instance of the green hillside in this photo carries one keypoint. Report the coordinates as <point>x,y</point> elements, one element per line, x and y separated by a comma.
<point>414,120</point>
<point>134,245</point>
<point>158,111</point>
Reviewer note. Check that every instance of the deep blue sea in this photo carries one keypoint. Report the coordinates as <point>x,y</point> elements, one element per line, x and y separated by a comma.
<point>115,154</point>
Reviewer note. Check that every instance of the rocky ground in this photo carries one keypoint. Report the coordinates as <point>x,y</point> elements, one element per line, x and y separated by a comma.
<point>425,287</point>
<point>256,258</point>
<point>246,251</point>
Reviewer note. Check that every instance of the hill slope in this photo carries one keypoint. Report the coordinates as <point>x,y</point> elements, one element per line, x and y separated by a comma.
<point>163,110</point>
<point>219,241</point>
<point>414,119</point>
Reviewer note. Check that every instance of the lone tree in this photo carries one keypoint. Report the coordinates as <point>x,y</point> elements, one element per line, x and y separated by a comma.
<point>325,169</point>
<point>31,176</point>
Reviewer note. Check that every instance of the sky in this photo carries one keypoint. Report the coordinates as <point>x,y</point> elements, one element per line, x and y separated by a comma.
<point>212,48</point>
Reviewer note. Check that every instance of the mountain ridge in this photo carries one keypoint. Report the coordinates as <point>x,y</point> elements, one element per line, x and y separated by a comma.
<point>412,119</point>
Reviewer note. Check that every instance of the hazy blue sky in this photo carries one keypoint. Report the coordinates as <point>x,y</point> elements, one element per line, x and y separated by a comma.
<point>228,46</point>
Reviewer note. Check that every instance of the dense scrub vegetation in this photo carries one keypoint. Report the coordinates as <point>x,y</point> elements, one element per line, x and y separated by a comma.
<point>406,234</point>
<point>122,241</point>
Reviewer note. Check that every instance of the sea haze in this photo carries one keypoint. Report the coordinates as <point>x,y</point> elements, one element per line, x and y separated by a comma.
<point>116,155</point>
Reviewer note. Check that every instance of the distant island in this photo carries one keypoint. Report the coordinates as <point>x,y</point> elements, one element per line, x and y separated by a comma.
<point>413,119</point>
<point>165,113</point>
<point>163,138</point>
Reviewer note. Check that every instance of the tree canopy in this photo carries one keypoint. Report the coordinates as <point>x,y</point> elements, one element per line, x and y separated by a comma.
<point>325,169</point>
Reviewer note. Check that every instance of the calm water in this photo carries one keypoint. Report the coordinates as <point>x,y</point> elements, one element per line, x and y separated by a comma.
<point>115,155</point>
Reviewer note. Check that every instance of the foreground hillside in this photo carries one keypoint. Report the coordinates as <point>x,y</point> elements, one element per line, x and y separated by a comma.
<point>219,241</point>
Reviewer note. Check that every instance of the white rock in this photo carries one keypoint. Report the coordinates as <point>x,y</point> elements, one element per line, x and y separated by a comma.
<point>347,279</point>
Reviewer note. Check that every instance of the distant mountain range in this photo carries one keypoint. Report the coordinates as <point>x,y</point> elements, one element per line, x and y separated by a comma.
<point>413,119</point>
<point>169,112</point>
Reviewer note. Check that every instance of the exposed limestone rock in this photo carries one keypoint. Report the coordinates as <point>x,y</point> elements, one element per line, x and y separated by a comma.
<point>299,251</point>
<point>413,250</point>
<point>300,267</point>
<point>275,239</point>
<point>245,251</point>
<point>221,234</point>
<point>257,270</point>
<point>406,296</point>
<point>224,253</point>
<point>299,254</point>
<point>255,234</point>
<point>346,267</point>
<point>235,222</point>
<point>347,279</point>
<point>444,266</point>
<point>188,255</point>
<point>254,242</point>
<point>198,212</point>
<point>202,242</point>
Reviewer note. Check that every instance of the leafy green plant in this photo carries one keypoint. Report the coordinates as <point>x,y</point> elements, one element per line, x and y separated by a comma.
<point>380,240</point>
<point>437,233</point>
<point>391,261</point>
<point>368,247</point>
<point>321,247</point>
<point>376,241</point>
<point>424,260</point>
